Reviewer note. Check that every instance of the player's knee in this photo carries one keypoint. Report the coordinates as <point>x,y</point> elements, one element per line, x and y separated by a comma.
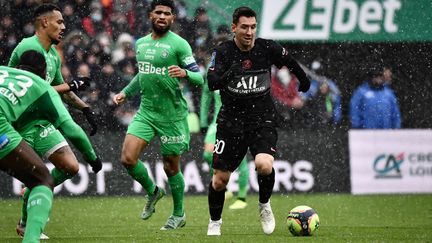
<point>127,160</point>
<point>44,180</point>
<point>49,182</point>
<point>264,168</point>
<point>264,164</point>
<point>73,169</point>
<point>219,184</point>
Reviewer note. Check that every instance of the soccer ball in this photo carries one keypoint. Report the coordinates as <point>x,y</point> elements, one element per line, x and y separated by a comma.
<point>302,221</point>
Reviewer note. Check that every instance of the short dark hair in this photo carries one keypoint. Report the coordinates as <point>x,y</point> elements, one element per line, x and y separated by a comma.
<point>44,8</point>
<point>168,3</point>
<point>34,62</point>
<point>242,12</point>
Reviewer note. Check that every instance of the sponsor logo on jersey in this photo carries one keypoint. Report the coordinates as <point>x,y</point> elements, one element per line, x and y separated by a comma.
<point>4,140</point>
<point>148,68</point>
<point>166,46</point>
<point>46,131</point>
<point>172,139</point>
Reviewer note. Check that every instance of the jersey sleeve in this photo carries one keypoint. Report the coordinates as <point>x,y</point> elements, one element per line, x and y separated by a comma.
<point>56,112</point>
<point>206,97</point>
<point>58,77</point>
<point>133,87</point>
<point>280,58</point>
<point>216,70</point>
<point>187,61</point>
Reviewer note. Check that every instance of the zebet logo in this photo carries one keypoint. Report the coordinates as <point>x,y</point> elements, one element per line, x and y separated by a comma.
<point>148,68</point>
<point>325,19</point>
<point>388,166</point>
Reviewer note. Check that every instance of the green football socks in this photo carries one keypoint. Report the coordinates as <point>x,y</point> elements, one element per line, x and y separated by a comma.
<point>25,198</point>
<point>177,186</point>
<point>59,176</point>
<point>38,209</point>
<point>139,173</point>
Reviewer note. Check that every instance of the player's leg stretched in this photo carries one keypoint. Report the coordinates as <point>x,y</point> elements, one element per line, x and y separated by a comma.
<point>56,149</point>
<point>243,182</point>
<point>177,186</point>
<point>132,147</point>
<point>216,198</point>
<point>266,179</point>
<point>25,165</point>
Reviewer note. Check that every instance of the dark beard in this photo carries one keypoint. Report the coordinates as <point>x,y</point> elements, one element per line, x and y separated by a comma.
<point>54,41</point>
<point>160,31</point>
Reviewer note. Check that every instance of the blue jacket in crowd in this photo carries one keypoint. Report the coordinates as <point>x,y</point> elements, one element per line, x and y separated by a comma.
<point>374,108</point>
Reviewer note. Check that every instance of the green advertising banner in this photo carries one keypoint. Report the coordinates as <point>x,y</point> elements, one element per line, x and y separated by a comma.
<point>333,20</point>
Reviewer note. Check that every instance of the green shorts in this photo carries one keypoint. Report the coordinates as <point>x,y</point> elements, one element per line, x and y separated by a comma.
<point>44,139</point>
<point>174,136</point>
<point>210,136</point>
<point>9,138</point>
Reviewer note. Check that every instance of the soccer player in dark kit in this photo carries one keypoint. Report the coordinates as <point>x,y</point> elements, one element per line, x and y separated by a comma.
<point>240,69</point>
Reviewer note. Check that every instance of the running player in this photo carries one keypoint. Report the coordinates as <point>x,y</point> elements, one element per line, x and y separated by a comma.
<point>40,134</point>
<point>163,59</point>
<point>24,96</point>
<point>209,140</point>
<point>241,70</point>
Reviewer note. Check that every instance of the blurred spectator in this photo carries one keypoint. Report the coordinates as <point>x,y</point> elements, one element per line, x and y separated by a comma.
<point>93,24</point>
<point>72,21</point>
<point>202,33</point>
<point>142,25</point>
<point>286,97</point>
<point>323,99</point>
<point>387,75</point>
<point>374,104</point>
<point>181,25</point>
<point>123,45</point>
<point>223,31</point>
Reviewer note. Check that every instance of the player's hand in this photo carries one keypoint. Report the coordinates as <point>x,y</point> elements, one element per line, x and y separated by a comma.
<point>176,72</point>
<point>304,85</point>
<point>119,98</point>
<point>79,84</point>
<point>96,164</point>
<point>91,118</point>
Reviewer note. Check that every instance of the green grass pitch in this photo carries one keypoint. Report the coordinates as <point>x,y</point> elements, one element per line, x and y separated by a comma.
<point>344,218</point>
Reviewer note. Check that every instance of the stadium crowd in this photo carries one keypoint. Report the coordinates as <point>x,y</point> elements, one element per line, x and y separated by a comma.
<point>99,43</point>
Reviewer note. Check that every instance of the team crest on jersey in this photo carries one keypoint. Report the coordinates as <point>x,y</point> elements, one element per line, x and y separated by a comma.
<point>247,64</point>
<point>164,53</point>
<point>212,61</point>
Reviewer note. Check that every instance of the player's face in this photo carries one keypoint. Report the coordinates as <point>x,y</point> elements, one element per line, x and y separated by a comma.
<point>55,27</point>
<point>162,19</point>
<point>245,31</point>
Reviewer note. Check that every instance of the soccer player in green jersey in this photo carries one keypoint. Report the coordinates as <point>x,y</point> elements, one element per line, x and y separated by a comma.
<point>209,140</point>
<point>23,98</point>
<point>40,134</point>
<point>163,59</point>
